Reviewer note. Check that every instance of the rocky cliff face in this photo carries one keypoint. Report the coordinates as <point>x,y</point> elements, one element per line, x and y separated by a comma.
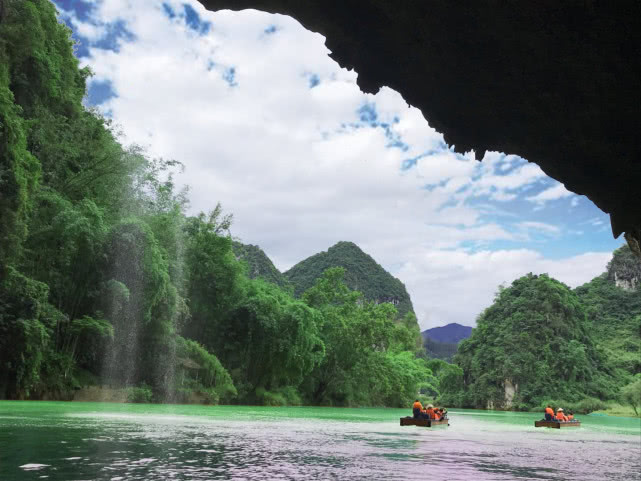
<point>510,391</point>
<point>625,269</point>
<point>626,284</point>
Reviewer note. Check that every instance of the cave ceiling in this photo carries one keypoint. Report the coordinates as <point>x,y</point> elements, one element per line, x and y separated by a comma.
<point>554,82</point>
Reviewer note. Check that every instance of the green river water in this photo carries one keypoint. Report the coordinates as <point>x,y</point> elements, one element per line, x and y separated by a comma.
<point>87,441</point>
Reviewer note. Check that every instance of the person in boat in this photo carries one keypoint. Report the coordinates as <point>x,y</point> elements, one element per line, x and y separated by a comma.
<point>560,416</point>
<point>438,414</point>
<point>570,416</point>
<point>429,412</point>
<point>417,407</point>
<point>549,413</point>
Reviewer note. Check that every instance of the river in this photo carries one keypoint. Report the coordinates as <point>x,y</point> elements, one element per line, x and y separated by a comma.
<point>87,441</point>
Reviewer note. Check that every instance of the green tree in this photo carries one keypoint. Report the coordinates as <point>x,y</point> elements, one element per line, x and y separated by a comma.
<point>201,371</point>
<point>213,276</point>
<point>369,355</point>
<point>449,382</point>
<point>631,394</point>
<point>271,338</point>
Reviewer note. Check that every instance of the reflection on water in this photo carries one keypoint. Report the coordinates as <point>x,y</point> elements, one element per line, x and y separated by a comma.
<point>74,441</point>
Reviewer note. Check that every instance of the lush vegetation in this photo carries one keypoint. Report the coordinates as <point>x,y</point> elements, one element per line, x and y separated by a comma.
<point>535,337</point>
<point>104,280</point>
<point>614,314</point>
<point>439,350</point>
<point>362,273</point>
<point>259,265</point>
<point>576,348</point>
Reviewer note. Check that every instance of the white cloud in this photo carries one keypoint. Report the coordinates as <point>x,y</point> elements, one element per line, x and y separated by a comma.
<point>455,286</point>
<point>553,193</point>
<point>539,226</point>
<point>297,168</point>
<point>520,177</point>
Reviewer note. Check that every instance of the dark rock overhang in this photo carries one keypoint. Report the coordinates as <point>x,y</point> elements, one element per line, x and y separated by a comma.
<point>555,82</point>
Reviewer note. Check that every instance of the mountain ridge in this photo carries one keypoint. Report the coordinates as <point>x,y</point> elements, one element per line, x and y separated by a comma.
<point>259,265</point>
<point>451,333</point>
<point>362,273</point>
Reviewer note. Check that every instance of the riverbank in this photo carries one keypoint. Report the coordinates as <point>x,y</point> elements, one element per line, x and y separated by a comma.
<point>95,394</point>
<point>135,395</point>
<point>618,410</point>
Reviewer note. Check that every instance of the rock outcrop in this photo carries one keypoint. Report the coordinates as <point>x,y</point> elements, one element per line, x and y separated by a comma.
<point>510,391</point>
<point>625,269</point>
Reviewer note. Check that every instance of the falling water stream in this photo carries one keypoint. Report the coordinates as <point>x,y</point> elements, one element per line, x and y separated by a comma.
<point>81,441</point>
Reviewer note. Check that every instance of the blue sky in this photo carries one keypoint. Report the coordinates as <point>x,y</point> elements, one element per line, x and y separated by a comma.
<point>266,123</point>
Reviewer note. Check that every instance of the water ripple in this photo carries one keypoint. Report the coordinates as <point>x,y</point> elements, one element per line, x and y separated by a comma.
<point>74,442</point>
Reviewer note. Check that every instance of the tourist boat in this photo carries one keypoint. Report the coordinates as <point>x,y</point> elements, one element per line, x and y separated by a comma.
<point>557,424</point>
<point>427,423</point>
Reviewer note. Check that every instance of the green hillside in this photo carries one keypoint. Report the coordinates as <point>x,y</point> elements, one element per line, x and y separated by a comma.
<point>362,273</point>
<point>259,266</point>
<point>533,344</point>
<point>542,341</point>
<point>614,313</point>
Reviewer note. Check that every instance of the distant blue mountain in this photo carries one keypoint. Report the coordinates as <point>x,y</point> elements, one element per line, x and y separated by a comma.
<point>451,334</point>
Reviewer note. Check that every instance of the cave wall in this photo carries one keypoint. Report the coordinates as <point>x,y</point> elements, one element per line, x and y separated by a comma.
<point>555,82</point>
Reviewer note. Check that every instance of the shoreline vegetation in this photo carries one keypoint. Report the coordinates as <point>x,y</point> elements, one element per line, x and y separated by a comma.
<point>105,280</point>
<point>122,396</point>
<point>617,410</point>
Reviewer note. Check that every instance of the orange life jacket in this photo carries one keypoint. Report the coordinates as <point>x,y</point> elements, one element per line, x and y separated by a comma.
<point>570,417</point>
<point>549,411</point>
<point>437,416</point>
<point>430,412</point>
<point>417,405</point>
<point>560,417</point>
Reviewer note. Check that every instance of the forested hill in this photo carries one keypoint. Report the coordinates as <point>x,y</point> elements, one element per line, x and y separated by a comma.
<point>613,310</point>
<point>259,266</point>
<point>362,273</point>
<point>533,344</point>
<point>452,333</point>
<point>587,340</point>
